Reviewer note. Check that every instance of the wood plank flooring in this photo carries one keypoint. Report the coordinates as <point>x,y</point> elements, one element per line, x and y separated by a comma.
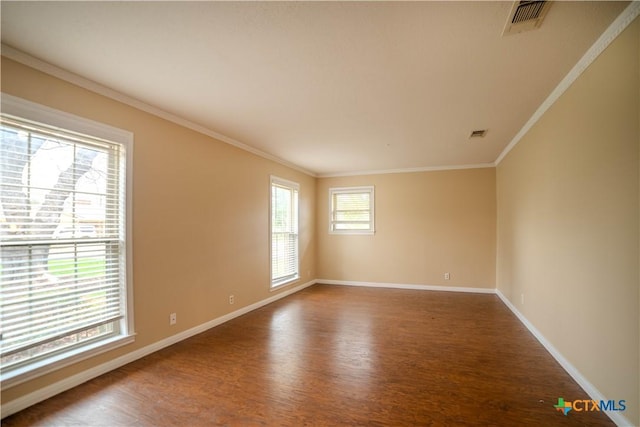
<point>331,356</point>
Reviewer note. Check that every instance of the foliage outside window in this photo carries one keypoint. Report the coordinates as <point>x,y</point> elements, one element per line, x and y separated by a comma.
<point>63,277</point>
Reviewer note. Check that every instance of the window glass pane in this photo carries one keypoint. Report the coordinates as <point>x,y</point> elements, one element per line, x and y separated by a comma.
<point>351,209</point>
<point>352,215</point>
<point>284,232</point>
<point>61,242</point>
<point>354,201</point>
<point>281,202</point>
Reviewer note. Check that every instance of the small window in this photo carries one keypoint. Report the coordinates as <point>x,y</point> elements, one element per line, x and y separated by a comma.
<point>65,281</point>
<point>284,232</point>
<point>352,210</point>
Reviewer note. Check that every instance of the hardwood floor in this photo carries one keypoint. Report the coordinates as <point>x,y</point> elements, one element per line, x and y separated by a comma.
<point>333,355</point>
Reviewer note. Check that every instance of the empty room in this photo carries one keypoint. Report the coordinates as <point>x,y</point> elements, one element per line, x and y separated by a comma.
<point>320,213</point>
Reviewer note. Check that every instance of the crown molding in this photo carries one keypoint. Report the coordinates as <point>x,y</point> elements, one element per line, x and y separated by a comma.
<point>47,68</point>
<point>610,34</point>
<point>407,170</point>
<point>40,65</point>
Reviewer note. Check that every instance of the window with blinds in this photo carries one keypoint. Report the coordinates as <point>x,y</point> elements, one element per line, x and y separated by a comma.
<point>63,245</point>
<point>284,231</point>
<point>352,210</point>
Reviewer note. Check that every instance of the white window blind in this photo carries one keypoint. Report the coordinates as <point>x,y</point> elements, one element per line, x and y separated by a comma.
<point>284,231</point>
<point>352,210</point>
<point>62,241</point>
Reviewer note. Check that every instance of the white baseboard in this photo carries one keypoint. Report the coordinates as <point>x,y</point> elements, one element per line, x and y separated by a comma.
<point>51,390</point>
<point>589,388</point>
<point>408,286</point>
<point>75,380</point>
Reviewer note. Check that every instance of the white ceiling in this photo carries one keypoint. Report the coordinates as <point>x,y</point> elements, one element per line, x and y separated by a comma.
<point>332,87</point>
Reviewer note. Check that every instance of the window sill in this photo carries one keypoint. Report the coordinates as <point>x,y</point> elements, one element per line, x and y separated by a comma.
<point>58,361</point>
<point>284,283</point>
<point>354,232</point>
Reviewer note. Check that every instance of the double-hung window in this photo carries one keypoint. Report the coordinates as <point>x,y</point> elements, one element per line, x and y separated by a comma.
<point>284,232</point>
<point>352,210</point>
<point>65,288</point>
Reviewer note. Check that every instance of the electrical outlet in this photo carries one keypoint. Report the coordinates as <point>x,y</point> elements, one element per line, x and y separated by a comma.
<point>447,276</point>
<point>172,319</point>
<point>232,299</point>
<point>522,299</point>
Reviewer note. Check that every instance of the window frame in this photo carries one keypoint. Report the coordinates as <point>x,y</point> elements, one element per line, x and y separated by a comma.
<point>367,189</point>
<point>67,122</point>
<point>275,284</point>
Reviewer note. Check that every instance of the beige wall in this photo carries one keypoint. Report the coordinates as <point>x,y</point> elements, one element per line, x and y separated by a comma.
<point>568,212</point>
<point>566,201</point>
<point>200,217</point>
<point>427,223</point>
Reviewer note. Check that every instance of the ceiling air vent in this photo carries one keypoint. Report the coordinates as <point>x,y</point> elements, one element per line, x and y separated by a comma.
<point>526,15</point>
<point>478,133</point>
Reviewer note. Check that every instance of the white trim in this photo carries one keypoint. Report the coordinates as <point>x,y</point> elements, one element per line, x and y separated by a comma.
<point>408,286</point>
<point>617,26</point>
<point>294,186</point>
<point>40,65</point>
<point>35,63</point>
<point>128,232</point>
<point>288,282</point>
<point>284,182</point>
<point>52,117</point>
<point>589,388</point>
<point>51,390</point>
<point>55,363</point>
<point>372,208</point>
<point>46,392</point>
<point>407,170</point>
<point>67,122</point>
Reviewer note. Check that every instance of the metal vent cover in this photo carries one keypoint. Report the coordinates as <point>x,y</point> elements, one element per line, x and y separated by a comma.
<point>526,15</point>
<point>478,133</point>
<point>527,10</point>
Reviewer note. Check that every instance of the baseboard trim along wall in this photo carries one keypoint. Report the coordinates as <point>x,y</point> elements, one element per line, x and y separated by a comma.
<point>75,380</point>
<point>44,393</point>
<point>407,286</point>
<point>589,388</point>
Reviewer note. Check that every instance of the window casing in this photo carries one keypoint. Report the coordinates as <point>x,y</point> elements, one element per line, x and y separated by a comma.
<point>352,210</point>
<point>284,232</point>
<point>65,283</point>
